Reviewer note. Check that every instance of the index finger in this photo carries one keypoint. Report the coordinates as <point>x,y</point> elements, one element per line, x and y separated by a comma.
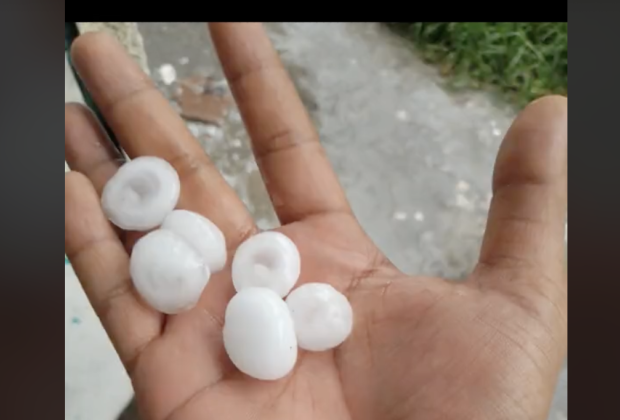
<point>294,166</point>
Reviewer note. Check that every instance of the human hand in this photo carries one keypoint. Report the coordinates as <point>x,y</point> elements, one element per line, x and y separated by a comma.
<point>421,348</point>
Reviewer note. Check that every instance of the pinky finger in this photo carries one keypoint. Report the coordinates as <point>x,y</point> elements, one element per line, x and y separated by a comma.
<point>102,266</point>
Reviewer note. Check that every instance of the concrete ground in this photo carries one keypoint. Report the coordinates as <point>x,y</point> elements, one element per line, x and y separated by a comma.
<point>415,160</point>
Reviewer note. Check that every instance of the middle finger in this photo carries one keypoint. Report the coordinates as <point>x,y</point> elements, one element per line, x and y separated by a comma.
<point>145,124</point>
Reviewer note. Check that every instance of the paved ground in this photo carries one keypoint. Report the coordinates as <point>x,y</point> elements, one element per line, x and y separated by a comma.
<point>415,160</point>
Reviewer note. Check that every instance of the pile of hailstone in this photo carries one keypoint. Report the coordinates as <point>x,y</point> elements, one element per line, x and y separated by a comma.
<point>266,321</point>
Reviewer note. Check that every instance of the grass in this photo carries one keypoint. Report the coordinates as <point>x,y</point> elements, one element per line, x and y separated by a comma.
<point>522,60</point>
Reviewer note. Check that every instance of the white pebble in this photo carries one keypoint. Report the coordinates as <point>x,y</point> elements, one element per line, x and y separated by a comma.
<point>400,215</point>
<point>259,335</point>
<point>168,74</point>
<point>323,317</point>
<point>402,115</point>
<point>167,272</point>
<point>141,194</point>
<point>202,234</point>
<point>270,260</point>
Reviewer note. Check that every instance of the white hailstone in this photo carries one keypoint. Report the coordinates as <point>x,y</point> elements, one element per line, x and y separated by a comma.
<point>201,233</point>
<point>259,335</point>
<point>323,316</point>
<point>270,260</point>
<point>168,272</point>
<point>141,194</point>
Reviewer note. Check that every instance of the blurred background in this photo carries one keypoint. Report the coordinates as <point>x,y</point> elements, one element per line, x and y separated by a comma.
<point>411,116</point>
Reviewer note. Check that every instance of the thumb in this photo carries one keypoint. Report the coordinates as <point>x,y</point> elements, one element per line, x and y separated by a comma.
<point>523,249</point>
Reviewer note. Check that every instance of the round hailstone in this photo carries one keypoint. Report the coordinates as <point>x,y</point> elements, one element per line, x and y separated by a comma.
<point>141,194</point>
<point>270,260</point>
<point>259,335</point>
<point>167,272</point>
<point>323,316</point>
<point>201,233</point>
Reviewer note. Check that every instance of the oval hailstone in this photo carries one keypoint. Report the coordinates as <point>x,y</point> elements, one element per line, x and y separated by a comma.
<point>268,259</point>
<point>259,335</point>
<point>323,316</point>
<point>201,233</point>
<point>141,194</point>
<point>167,272</point>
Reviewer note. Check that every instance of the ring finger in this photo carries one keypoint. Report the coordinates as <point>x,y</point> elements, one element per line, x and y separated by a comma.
<point>145,124</point>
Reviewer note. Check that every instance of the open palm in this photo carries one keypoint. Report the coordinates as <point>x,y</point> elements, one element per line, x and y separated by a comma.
<point>421,348</point>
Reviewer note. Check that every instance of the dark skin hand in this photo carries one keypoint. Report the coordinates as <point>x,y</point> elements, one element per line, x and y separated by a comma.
<point>422,348</point>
